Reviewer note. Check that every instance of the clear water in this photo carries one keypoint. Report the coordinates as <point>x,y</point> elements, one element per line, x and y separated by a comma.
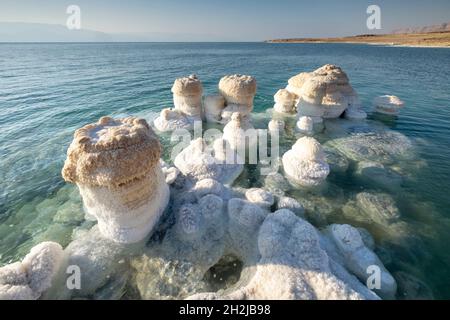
<point>49,90</point>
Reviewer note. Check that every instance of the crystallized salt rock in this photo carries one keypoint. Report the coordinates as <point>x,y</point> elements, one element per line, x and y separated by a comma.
<point>284,101</point>
<point>358,258</point>
<point>198,161</point>
<point>208,186</point>
<point>380,207</point>
<point>260,197</point>
<point>171,120</point>
<point>305,125</point>
<point>187,95</point>
<point>292,205</point>
<point>213,106</point>
<point>29,279</point>
<point>171,173</point>
<point>240,133</point>
<point>305,163</point>
<point>276,126</point>
<point>389,105</point>
<point>238,89</point>
<point>323,93</point>
<point>115,164</point>
<point>294,266</point>
<point>230,109</point>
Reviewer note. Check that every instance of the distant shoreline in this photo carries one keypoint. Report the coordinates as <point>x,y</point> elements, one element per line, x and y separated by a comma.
<point>427,40</point>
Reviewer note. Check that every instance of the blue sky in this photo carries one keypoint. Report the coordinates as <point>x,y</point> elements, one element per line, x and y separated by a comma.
<point>231,19</point>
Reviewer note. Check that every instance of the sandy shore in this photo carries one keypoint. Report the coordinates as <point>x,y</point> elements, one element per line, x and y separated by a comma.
<point>433,39</point>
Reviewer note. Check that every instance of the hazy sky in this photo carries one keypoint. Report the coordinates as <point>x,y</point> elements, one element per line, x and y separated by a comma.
<point>234,19</point>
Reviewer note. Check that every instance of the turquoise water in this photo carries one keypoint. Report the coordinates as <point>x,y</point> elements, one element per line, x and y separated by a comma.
<point>49,90</point>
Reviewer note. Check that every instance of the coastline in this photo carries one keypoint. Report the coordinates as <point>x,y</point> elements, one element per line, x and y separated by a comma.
<point>419,40</point>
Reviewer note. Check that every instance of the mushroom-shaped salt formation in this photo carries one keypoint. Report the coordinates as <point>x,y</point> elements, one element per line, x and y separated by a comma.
<point>238,89</point>
<point>115,164</point>
<point>27,280</point>
<point>305,125</point>
<point>239,133</point>
<point>305,163</point>
<point>284,101</point>
<point>213,105</point>
<point>187,95</point>
<point>389,105</point>
<point>323,93</point>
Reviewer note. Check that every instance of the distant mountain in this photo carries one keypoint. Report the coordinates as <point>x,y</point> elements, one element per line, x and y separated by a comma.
<point>443,27</point>
<point>40,32</point>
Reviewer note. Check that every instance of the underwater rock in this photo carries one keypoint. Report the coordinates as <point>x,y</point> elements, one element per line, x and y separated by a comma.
<point>260,197</point>
<point>276,184</point>
<point>115,164</point>
<point>213,106</point>
<point>374,173</point>
<point>355,113</point>
<point>240,133</point>
<point>337,161</point>
<point>293,266</point>
<point>198,161</point>
<point>187,95</point>
<point>171,120</point>
<point>305,163</point>
<point>284,101</point>
<point>412,288</point>
<point>29,279</point>
<point>380,207</point>
<point>292,205</point>
<point>238,89</point>
<point>389,105</point>
<point>305,125</point>
<point>358,258</point>
<point>276,126</point>
<point>384,146</point>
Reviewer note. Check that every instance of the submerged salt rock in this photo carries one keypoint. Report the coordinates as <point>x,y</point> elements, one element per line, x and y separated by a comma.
<point>323,93</point>
<point>305,125</point>
<point>240,133</point>
<point>292,205</point>
<point>170,120</point>
<point>305,163</point>
<point>199,161</point>
<point>29,279</point>
<point>187,95</point>
<point>276,126</point>
<point>260,197</point>
<point>115,164</point>
<point>230,109</point>
<point>376,174</point>
<point>213,107</point>
<point>208,186</point>
<point>238,89</point>
<point>284,101</point>
<point>359,259</point>
<point>389,105</point>
<point>380,207</point>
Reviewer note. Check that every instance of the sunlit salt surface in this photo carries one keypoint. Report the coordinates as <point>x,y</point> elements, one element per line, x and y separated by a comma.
<point>400,163</point>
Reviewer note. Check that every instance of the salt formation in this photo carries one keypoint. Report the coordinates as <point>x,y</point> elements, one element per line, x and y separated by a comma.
<point>358,258</point>
<point>187,99</point>
<point>260,197</point>
<point>284,101</point>
<point>199,161</point>
<point>238,90</point>
<point>29,279</point>
<point>305,125</point>
<point>213,106</point>
<point>389,105</point>
<point>115,164</point>
<point>305,163</point>
<point>240,133</point>
<point>292,264</point>
<point>276,126</point>
<point>322,94</point>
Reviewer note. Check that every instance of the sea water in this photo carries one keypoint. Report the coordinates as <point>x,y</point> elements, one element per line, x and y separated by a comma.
<point>49,90</point>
